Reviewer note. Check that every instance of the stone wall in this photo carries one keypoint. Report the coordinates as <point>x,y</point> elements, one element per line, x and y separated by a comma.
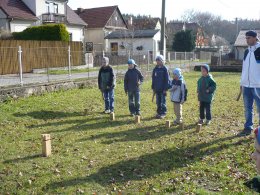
<point>40,89</point>
<point>15,92</point>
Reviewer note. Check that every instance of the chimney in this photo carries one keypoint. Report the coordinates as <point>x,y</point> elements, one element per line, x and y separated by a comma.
<point>130,21</point>
<point>79,10</point>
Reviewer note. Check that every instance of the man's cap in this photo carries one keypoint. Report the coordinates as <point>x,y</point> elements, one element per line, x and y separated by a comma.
<point>251,33</point>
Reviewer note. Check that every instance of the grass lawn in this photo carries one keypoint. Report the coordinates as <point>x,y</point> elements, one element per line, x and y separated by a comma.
<point>93,155</point>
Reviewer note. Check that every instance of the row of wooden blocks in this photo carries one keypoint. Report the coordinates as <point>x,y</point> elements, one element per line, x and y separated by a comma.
<point>168,125</point>
<point>137,118</point>
<point>168,122</point>
<point>46,138</point>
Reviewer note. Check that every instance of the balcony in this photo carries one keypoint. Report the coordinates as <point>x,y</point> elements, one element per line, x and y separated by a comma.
<point>53,18</point>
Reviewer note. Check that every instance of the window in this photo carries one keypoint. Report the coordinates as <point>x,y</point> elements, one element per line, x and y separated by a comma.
<point>47,5</point>
<point>55,7</point>
<point>51,7</point>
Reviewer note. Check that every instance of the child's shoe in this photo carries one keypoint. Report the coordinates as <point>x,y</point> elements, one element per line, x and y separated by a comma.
<point>200,122</point>
<point>107,112</point>
<point>162,116</point>
<point>208,122</point>
<point>176,122</point>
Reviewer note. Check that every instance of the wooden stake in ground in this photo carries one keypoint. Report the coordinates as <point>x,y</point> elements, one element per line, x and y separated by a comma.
<point>112,116</point>
<point>137,119</point>
<point>46,145</point>
<point>182,126</point>
<point>168,124</point>
<point>240,93</point>
<point>199,128</point>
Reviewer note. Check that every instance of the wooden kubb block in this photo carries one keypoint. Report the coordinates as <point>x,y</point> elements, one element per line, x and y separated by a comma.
<point>182,126</point>
<point>112,116</point>
<point>46,145</point>
<point>138,119</point>
<point>168,124</point>
<point>199,126</point>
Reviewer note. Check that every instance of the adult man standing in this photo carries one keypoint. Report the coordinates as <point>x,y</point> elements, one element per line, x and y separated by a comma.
<point>250,80</point>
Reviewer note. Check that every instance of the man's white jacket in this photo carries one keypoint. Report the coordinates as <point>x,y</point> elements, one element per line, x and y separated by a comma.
<point>251,67</point>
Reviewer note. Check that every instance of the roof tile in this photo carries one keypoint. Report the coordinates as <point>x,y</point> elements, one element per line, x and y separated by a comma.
<point>17,9</point>
<point>97,17</point>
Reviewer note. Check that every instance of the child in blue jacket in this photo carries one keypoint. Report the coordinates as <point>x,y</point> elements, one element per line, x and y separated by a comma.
<point>160,85</point>
<point>133,80</point>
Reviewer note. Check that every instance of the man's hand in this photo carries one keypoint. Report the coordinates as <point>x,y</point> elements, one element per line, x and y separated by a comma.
<point>126,92</point>
<point>165,93</point>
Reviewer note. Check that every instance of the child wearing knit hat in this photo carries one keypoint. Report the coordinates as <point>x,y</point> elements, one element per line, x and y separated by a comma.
<point>177,94</point>
<point>160,85</point>
<point>106,84</point>
<point>132,81</point>
<point>206,87</point>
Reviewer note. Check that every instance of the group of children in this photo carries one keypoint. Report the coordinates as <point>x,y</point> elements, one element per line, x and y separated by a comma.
<point>161,83</point>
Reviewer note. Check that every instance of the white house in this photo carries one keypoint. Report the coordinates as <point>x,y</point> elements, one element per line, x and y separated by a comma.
<point>129,42</point>
<point>101,21</point>
<point>17,15</point>
<point>241,45</point>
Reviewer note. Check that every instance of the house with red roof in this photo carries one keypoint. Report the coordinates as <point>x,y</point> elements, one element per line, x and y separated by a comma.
<point>101,22</point>
<point>17,15</point>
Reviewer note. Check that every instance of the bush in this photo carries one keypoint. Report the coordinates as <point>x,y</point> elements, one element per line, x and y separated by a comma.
<point>184,41</point>
<point>49,32</point>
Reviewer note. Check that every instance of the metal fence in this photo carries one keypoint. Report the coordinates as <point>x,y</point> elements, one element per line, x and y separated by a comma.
<point>65,63</point>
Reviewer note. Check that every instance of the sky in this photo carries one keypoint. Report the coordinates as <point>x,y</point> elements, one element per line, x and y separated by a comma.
<point>174,9</point>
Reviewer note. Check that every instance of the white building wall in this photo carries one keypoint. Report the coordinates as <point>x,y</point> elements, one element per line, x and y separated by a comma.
<point>97,37</point>
<point>20,25</point>
<point>38,7</point>
<point>77,33</point>
<point>240,52</point>
<point>146,43</point>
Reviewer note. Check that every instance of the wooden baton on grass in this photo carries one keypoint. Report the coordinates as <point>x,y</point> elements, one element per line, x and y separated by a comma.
<point>153,96</point>
<point>240,93</point>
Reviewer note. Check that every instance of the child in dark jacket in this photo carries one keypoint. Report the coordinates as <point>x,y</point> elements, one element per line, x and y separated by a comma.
<point>133,80</point>
<point>206,89</point>
<point>106,84</point>
<point>160,85</point>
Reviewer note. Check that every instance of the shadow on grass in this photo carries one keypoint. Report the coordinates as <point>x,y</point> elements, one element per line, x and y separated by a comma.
<point>149,165</point>
<point>47,115</point>
<point>78,124</point>
<point>23,159</point>
<point>138,134</point>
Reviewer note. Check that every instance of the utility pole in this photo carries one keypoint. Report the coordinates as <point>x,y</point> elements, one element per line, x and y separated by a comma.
<point>237,26</point>
<point>163,21</point>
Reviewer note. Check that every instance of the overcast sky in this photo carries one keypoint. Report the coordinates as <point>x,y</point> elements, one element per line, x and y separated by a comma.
<point>174,9</point>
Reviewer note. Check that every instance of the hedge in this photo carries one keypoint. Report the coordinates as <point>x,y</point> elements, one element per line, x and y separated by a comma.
<point>48,32</point>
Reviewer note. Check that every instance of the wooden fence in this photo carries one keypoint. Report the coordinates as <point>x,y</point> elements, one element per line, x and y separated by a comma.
<point>38,54</point>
